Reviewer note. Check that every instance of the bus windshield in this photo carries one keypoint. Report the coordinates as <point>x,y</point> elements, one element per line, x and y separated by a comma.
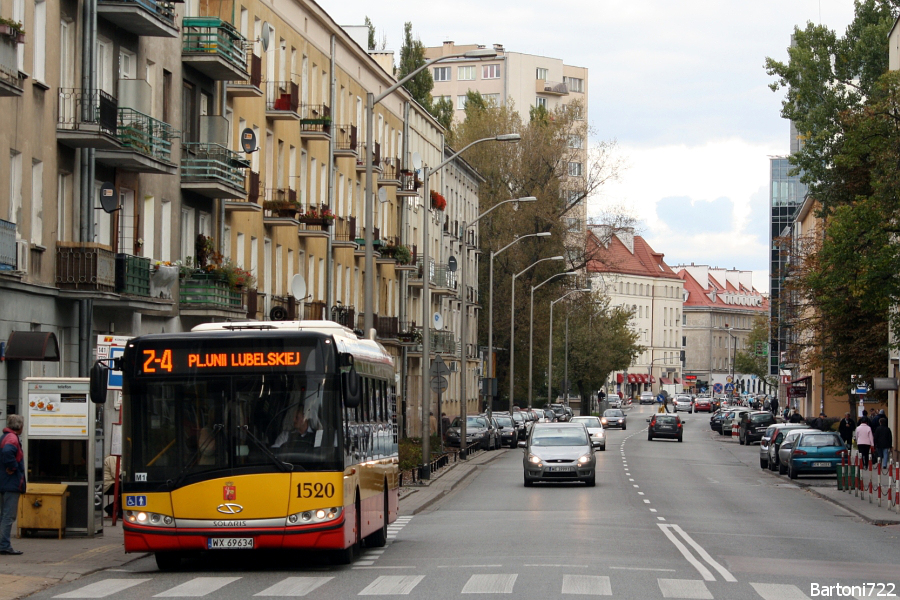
<point>186,429</point>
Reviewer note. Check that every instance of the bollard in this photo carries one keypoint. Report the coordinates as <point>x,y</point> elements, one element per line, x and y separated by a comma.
<point>870,481</point>
<point>856,479</point>
<point>879,484</point>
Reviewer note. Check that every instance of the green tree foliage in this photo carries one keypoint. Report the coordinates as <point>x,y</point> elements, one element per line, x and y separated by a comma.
<point>412,56</point>
<point>371,41</point>
<point>442,110</point>
<point>752,361</point>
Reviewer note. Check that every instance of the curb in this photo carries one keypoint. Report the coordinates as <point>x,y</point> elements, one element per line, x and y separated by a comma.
<point>869,520</point>
<point>444,492</point>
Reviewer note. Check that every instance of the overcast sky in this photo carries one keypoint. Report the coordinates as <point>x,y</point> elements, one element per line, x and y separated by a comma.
<point>679,85</point>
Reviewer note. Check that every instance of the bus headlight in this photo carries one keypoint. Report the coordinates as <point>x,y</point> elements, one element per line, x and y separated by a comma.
<point>141,517</point>
<point>319,515</point>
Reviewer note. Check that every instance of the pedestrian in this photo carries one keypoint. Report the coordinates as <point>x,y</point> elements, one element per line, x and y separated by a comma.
<point>445,425</point>
<point>883,440</point>
<point>820,422</point>
<point>864,441</point>
<point>774,405</point>
<point>796,417</point>
<point>109,483</point>
<point>12,479</point>
<point>432,423</point>
<point>846,429</point>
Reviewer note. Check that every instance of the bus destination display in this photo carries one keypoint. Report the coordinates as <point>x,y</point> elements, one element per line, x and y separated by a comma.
<point>164,361</point>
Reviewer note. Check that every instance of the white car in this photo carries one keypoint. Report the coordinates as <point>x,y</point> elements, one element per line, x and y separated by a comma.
<point>684,403</point>
<point>595,430</point>
<point>647,398</point>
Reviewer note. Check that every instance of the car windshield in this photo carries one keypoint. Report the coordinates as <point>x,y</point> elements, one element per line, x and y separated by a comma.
<point>559,436</point>
<point>666,419</point>
<point>518,417</point>
<point>588,421</point>
<point>762,419</point>
<point>820,440</point>
<point>471,422</point>
<point>613,412</point>
<point>504,421</point>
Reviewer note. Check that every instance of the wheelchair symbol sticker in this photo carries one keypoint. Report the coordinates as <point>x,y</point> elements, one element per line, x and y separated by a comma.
<point>135,500</point>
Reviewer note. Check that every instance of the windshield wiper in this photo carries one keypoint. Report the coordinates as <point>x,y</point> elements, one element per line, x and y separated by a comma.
<point>284,466</point>
<point>217,428</point>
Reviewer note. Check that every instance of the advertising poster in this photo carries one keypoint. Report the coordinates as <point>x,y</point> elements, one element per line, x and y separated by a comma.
<point>57,410</point>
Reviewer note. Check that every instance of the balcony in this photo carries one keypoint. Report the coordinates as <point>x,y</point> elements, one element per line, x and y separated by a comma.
<point>390,172</point>
<point>282,306</point>
<point>314,311</point>
<point>213,170</point>
<point>376,158</point>
<point>441,342</point>
<point>282,101</point>
<point>8,255</point>
<point>250,202</point>
<point>11,81</point>
<point>132,275</point>
<point>145,144</point>
<point>280,207</point>
<point>215,48</point>
<point>85,266</point>
<point>86,119</point>
<point>250,88</point>
<point>345,141</point>
<point>344,233</point>
<point>344,315</point>
<point>201,295</point>
<point>315,122</point>
<point>150,18</point>
<point>441,280</point>
<point>552,88</point>
<point>409,184</point>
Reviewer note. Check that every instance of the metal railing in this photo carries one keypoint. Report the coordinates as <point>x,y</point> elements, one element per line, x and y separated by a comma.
<point>315,118</point>
<point>145,134</point>
<point>78,108</point>
<point>7,246</point>
<point>282,96</point>
<point>345,229</point>
<point>439,275</point>
<point>344,315</point>
<point>85,266</point>
<point>255,70</point>
<point>345,138</point>
<point>165,11</point>
<point>314,311</point>
<point>205,35</point>
<point>390,169</point>
<point>213,162</point>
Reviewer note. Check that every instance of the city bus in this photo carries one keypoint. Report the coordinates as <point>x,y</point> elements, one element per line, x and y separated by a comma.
<point>255,436</point>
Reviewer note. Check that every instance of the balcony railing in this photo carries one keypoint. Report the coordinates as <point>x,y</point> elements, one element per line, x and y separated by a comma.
<point>282,97</point>
<point>345,138</point>
<point>203,292</point>
<point>387,328</point>
<point>132,275</point>
<point>315,118</point>
<point>254,187</point>
<point>345,229</point>
<point>344,315</point>
<point>440,276</point>
<point>7,246</point>
<point>10,79</point>
<point>255,80</point>
<point>551,87</point>
<point>144,134</point>
<point>409,183</point>
<point>91,110</point>
<point>213,162</point>
<point>205,36</point>
<point>85,266</point>
<point>390,169</point>
<point>122,12</point>
<point>314,311</point>
<point>441,342</point>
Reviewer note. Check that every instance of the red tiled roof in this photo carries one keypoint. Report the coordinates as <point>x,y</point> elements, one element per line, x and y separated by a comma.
<point>618,259</point>
<point>698,297</point>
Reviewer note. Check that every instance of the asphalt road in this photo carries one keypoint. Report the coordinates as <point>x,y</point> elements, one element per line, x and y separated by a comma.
<point>697,519</point>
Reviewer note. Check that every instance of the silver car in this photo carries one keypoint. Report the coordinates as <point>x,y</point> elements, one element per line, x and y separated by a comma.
<point>559,452</point>
<point>784,454</point>
<point>684,403</point>
<point>595,430</point>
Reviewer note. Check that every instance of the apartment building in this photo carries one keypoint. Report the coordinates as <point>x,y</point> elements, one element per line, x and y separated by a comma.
<point>229,141</point>
<point>721,307</point>
<point>635,276</point>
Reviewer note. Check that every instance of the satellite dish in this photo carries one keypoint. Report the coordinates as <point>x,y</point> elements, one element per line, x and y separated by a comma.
<point>451,264</point>
<point>438,321</point>
<point>417,161</point>
<point>264,36</point>
<point>248,141</point>
<point>109,200</point>
<point>298,286</point>
<point>382,195</point>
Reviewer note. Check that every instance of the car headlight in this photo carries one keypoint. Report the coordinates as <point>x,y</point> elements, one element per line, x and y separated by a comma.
<point>308,517</point>
<point>453,434</point>
<point>536,460</point>
<point>584,459</point>
<point>148,518</point>
<point>478,435</point>
<point>603,421</point>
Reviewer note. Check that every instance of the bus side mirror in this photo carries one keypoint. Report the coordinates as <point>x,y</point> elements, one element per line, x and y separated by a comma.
<point>352,388</point>
<point>99,377</point>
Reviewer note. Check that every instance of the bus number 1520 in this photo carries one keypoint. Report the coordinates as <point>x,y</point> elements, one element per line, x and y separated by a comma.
<point>315,490</point>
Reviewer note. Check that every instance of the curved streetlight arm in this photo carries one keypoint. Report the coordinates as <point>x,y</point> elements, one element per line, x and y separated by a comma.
<point>519,239</point>
<point>531,331</point>
<point>488,211</point>
<point>550,355</point>
<point>396,86</point>
<point>551,278</point>
<point>538,261</point>
<point>506,137</point>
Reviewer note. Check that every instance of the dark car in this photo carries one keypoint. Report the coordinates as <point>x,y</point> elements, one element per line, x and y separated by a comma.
<point>509,433</point>
<point>665,426</point>
<point>523,424</point>
<point>775,442</point>
<point>753,425</point>
<point>614,417</point>
<point>559,452</point>
<point>715,421</point>
<point>478,431</point>
<point>562,415</point>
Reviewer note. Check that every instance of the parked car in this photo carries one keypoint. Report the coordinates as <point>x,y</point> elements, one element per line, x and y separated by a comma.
<point>664,425</point>
<point>684,403</point>
<point>559,452</point>
<point>753,425</point>
<point>522,423</point>
<point>730,415</point>
<point>478,431</point>
<point>647,398</point>
<point>764,445</point>
<point>704,404</point>
<point>560,411</point>
<point>509,433</point>
<point>813,451</point>
<point>715,421</point>
<point>775,443</point>
<point>595,430</point>
<point>614,417</point>
<point>787,445</point>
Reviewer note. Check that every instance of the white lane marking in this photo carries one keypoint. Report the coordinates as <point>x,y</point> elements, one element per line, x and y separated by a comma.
<point>704,572</point>
<point>102,589</point>
<point>587,585</point>
<point>660,518</point>
<point>295,586</point>
<point>646,502</point>
<point>640,493</point>
<point>368,552</point>
<point>684,588</point>
<point>635,485</point>
<point>779,591</point>
<point>389,585</point>
<point>629,474</point>
<point>652,510</point>
<point>384,567</point>
<point>498,583</point>
<point>470,566</point>
<point>199,586</point>
<point>559,566</point>
<point>365,563</point>
<point>643,569</point>
<point>705,555</point>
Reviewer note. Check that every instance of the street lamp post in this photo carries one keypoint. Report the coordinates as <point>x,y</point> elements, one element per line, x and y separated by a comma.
<point>426,305</point>
<point>531,329</point>
<point>464,317</point>
<point>512,328</point>
<point>371,101</point>
<point>550,357</point>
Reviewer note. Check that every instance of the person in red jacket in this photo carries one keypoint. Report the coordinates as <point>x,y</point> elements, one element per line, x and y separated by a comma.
<point>12,479</point>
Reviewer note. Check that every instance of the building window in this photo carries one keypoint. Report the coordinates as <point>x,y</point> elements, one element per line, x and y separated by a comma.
<point>540,102</point>
<point>490,72</point>
<point>574,84</point>
<point>465,73</point>
<point>443,99</point>
<point>39,40</point>
<point>491,99</point>
<point>460,103</point>
<point>576,141</point>
<point>573,224</point>
<point>574,169</point>
<point>541,74</point>
<point>442,73</point>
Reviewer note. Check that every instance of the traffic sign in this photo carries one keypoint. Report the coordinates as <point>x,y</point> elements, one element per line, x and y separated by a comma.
<point>729,387</point>
<point>717,388</point>
<point>439,368</point>
<point>439,384</point>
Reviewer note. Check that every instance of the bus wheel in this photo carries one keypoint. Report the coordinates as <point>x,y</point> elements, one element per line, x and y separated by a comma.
<point>168,561</point>
<point>345,556</point>
<point>379,538</point>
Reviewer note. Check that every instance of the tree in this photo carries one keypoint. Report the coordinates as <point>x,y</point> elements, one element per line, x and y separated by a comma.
<point>412,56</point>
<point>755,361</point>
<point>371,40</point>
<point>442,110</point>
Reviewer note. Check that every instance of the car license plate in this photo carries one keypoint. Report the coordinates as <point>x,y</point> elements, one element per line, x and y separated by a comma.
<point>229,543</point>
<point>821,464</point>
<point>559,469</point>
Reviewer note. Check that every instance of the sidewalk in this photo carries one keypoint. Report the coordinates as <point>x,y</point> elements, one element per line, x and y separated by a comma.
<point>862,508</point>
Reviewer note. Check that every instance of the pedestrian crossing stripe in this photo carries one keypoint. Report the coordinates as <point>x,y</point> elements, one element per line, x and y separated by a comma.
<point>403,585</point>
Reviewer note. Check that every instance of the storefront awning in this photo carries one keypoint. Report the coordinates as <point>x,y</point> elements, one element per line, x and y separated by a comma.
<point>632,378</point>
<point>643,378</point>
<point>652,379</point>
<point>619,378</point>
<point>665,381</point>
<point>802,379</point>
<point>32,345</point>
<point>678,380</point>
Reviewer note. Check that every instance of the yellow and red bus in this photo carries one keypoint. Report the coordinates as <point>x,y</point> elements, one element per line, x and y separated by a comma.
<point>273,435</point>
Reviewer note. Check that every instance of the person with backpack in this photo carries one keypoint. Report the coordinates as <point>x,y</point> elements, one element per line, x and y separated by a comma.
<point>12,479</point>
